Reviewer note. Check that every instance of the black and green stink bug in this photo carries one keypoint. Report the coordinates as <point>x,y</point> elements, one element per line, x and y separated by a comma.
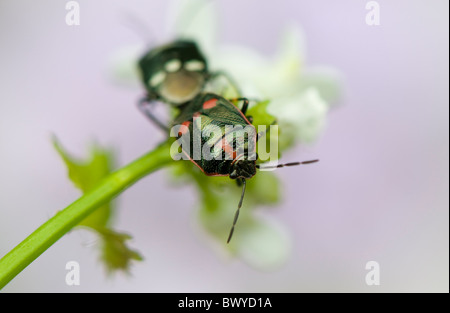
<point>174,74</point>
<point>220,140</point>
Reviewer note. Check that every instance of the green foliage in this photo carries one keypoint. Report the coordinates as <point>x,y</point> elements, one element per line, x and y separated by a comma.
<point>116,255</point>
<point>86,175</point>
<point>261,117</point>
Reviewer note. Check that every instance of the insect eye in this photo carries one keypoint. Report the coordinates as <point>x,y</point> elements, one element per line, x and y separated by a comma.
<point>157,79</point>
<point>173,65</point>
<point>194,66</point>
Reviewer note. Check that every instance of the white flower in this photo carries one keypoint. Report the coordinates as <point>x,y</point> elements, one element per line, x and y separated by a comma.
<point>299,98</point>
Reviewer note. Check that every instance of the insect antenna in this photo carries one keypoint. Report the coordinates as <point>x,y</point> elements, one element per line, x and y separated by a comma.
<point>139,27</point>
<point>193,11</point>
<point>236,215</point>
<point>285,164</point>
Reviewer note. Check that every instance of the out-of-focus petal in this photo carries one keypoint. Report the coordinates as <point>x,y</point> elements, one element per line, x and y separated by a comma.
<point>289,60</point>
<point>122,65</point>
<point>197,20</point>
<point>263,244</point>
<point>246,66</point>
<point>327,81</point>
<point>301,117</point>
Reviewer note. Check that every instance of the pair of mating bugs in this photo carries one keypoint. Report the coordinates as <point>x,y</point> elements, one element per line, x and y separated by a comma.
<point>177,74</point>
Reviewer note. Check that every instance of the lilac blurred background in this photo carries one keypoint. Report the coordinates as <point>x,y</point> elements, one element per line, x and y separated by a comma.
<point>380,192</point>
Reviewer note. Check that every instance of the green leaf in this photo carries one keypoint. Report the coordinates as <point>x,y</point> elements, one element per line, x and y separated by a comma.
<point>264,189</point>
<point>66,219</point>
<point>86,175</point>
<point>116,254</point>
<point>260,115</point>
<point>270,151</point>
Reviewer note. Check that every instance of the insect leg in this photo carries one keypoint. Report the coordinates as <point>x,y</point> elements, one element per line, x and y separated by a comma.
<point>145,105</point>
<point>244,106</point>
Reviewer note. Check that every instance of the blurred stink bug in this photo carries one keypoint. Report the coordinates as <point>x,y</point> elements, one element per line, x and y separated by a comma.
<point>174,74</point>
<point>220,140</point>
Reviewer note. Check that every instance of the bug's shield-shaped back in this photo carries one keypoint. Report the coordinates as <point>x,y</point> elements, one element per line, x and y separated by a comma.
<point>215,136</point>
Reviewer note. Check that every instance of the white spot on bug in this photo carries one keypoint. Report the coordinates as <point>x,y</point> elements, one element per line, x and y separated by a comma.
<point>194,65</point>
<point>173,65</point>
<point>157,78</point>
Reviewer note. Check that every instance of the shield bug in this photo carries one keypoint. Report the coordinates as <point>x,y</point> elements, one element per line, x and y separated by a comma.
<point>220,140</point>
<point>174,74</point>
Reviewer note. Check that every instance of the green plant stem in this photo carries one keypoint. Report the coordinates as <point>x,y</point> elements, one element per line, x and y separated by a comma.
<point>63,221</point>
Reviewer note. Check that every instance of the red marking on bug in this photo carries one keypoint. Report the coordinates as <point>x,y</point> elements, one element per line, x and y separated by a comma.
<point>184,128</point>
<point>198,165</point>
<point>228,149</point>
<point>211,103</point>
